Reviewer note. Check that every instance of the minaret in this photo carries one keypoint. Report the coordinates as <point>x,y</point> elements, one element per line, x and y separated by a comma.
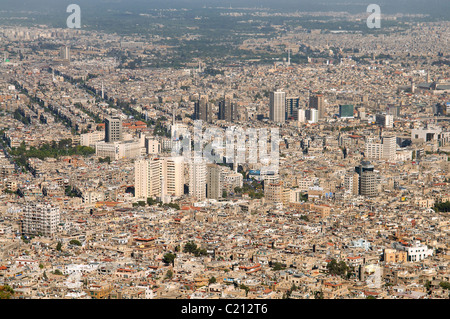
<point>428,76</point>
<point>289,57</point>
<point>103,92</point>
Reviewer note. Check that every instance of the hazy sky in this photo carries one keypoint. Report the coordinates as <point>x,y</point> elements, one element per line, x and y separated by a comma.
<point>405,6</point>
<point>54,11</point>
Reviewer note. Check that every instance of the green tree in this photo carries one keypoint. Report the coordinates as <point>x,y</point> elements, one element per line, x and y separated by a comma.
<point>59,246</point>
<point>442,207</point>
<point>318,295</point>
<point>75,242</point>
<point>169,274</point>
<point>169,258</point>
<point>445,285</point>
<point>190,247</point>
<point>339,269</point>
<point>277,266</point>
<point>6,292</point>
<point>246,288</point>
<point>212,280</point>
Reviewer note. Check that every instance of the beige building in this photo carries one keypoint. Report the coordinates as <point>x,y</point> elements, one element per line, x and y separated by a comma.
<point>394,256</point>
<point>197,179</point>
<point>213,181</point>
<point>159,177</point>
<point>118,150</point>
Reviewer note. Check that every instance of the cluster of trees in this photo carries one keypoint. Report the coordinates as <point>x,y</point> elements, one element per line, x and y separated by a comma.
<point>160,129</point>
<point>75,242</point>
<point>71,192</point>
<point>305,218</point>
<point>277,266</point>
<point>169,274</point>
<point>445,285</point>
<point>107,159</point>
<point>151,201</point>
<point>58,272</point>
<point>442,207</point>
<point>244,287</point>
<point>54,149</point>
<point>253,189</point>
<point>339,269</point>
<point>6,292</point>
<point>140,203</point>
<point>289,292</point>
<point>192,248</point>
<point>169,258</point>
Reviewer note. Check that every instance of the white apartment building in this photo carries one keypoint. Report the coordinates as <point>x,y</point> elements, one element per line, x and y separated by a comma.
<point>312,115</point>
<point>159,177</point>
<point>403,155</point>
<point>90,139</point>
<point>197,179</point>
<point>277,106</point>
<point>40,218</point>
<point>91,196</point>
<point>305,183</point>
<point>415,252</point>
<point>387,149</point>
<point>232,180</point>
<point>147,178</point>
<point>152,146</point>
<point>374,150</point>
<point>172,169</point>
<point>295,195</point>
<point>351,183</point>
<point>300,115</point>
<point>118,150</point>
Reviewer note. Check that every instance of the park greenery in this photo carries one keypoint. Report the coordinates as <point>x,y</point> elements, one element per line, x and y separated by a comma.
<point>442,207</point>
<point>75,242</point>
<point>169,258</point>
<point>6,292</point>
<point>338,269</point>
<point>192,248</point>
<point>49,150</point>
